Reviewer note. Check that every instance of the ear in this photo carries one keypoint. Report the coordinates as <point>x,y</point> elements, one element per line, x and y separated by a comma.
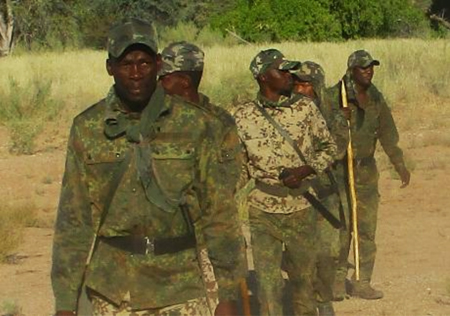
<point>158,62</point>
<point>109,67</point>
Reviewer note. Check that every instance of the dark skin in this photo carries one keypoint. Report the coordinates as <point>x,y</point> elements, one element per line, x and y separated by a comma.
<point>304,87</point>
<point>273,84</point>
<point>135,81</point>
<point>180,84</point>
<point>362,76</point>
<point>134,75</point>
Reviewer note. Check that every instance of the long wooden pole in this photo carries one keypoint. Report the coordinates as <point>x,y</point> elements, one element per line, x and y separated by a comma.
<point>351,184</point>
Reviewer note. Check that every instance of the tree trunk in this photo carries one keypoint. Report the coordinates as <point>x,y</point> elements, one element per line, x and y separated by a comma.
<point>6,28</point>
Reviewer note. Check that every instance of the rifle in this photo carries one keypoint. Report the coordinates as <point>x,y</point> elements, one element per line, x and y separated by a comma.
<point>351,184</point>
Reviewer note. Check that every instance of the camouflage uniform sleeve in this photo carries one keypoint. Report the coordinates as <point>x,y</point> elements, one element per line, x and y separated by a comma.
<point>231,155</point>
<point>325,145</point>
<point>336,122</point>
<point>388,135</point>
<point>220,220</point>
<point>73,231</point>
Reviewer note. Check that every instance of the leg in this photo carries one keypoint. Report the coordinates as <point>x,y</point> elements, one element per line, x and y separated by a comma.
<point>267,250</point>
<point>300,238</point>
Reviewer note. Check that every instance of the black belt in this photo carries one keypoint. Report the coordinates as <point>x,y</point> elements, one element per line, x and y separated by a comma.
<point>145,245</point>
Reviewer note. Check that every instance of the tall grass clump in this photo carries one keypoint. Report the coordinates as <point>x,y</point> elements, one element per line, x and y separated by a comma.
<point>13,219</point>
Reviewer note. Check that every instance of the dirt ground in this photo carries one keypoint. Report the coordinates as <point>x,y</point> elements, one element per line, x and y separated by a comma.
<point>413,262</point>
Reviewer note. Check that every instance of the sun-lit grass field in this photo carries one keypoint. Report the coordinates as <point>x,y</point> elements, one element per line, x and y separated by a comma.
<point>37,89</point>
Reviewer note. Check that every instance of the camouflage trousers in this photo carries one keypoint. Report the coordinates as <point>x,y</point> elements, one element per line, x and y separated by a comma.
<point>297,231</point>
<point>366,187</point>
<point>328,247</point>
<point>194,307</point>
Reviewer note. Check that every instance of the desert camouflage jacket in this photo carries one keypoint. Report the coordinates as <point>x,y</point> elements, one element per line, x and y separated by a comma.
<point>267,153</point>
<point>185,162</point>
<point>369,123</point>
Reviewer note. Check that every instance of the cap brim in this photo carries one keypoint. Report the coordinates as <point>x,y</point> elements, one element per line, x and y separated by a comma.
<point>289,65</point>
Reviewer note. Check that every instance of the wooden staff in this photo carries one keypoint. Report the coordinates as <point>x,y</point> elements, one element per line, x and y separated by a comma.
<point>245,298</point>
<point>351,184</point>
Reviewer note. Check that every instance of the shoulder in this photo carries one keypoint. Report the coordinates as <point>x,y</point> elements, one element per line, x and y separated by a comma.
<point>245,111</point>
<point>93,112</point>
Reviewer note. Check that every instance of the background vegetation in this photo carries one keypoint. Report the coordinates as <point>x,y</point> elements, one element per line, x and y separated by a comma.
<point>62,24</point>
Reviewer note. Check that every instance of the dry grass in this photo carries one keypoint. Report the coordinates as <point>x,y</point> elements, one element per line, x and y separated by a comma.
<point>413,75</point>
<point>13,219</point>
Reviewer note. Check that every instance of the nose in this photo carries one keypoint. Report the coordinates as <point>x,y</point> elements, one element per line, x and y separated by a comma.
<point>135,72</point>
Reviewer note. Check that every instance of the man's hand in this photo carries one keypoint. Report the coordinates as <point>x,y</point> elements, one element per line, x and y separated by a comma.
<point>405,176</point>
<point>347,112</point>
<point>65,313</point>
<point>226,308</point>
<point>292,177</point>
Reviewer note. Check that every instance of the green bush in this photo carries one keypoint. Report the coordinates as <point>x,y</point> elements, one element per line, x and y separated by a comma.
<point>25,110</point>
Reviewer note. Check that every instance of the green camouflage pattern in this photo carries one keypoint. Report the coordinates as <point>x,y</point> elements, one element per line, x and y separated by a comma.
<point>369,124</point>
<point>195,307</point>
<point>181,56</point>
<point>361,58</point>
<point>128,32</point>
<point>186,161</point>
<point>298,233</point>
<point>311,72</point>
<point>266,59</point>
<point>267,153</point>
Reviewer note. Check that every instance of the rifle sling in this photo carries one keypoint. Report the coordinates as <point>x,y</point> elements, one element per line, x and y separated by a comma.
<point>336,223</point>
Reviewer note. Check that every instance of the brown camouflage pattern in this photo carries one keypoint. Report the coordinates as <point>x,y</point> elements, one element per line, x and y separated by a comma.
<point>195,307</point>
<point>186,161</point>
<point>268,153</point>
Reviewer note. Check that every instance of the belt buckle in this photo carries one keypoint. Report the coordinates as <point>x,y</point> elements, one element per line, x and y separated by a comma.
<point>149,245</point>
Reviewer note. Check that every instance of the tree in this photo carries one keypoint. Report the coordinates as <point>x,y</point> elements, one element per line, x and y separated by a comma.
<point>6,28</point>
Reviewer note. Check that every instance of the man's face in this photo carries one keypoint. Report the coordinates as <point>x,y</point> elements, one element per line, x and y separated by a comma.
<point>304,87</point>
<point>279,81</point>
<point>363,76</point>
<point>134,76</point>
<point>173,83</point>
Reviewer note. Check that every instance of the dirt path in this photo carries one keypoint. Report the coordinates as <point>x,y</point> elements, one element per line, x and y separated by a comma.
<point>413,262</point>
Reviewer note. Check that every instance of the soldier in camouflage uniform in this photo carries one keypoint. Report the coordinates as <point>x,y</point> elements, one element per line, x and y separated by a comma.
<point>309,80</point>
<point>370,121</point>
<point>143,169</point>
<point>278,212</point>
<point>180,76</point>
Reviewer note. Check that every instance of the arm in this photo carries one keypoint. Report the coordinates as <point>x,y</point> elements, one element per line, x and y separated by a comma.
<point>389,138</point>
<point>221,226</point>
<point>73,231</point>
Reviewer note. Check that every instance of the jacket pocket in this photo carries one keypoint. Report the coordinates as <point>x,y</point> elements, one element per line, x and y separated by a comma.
<point>173,166</point>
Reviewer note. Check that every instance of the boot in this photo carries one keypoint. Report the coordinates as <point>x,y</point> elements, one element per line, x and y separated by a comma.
<point>339,291</point>
<point>365,291</point>
<point>325,309</point>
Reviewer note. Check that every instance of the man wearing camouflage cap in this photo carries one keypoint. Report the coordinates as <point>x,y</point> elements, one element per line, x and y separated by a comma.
<point>278,211</point>
<point>142,177</point>
<point>180,75</point>
<point>309,80</point>
<point>370,121</point>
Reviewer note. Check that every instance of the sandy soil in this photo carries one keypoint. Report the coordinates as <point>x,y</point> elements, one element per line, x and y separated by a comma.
<point>413,262</point>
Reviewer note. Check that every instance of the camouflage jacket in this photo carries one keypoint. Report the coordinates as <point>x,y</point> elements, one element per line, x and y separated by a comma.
<point>185,162</point>
<point>369,123</point>
<point>267,153</point>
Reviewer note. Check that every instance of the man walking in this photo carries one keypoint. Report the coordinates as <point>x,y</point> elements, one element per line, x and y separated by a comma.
<point>286,144</point>
<point>142,172</point>
<point>370,121</point>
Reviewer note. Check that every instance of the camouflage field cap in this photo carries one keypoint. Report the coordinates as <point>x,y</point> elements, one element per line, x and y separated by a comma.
<point>310,71</point>
<point>181,56</point>
<point>361,58</point>
<point>265,59</point>
<point>128,32</point>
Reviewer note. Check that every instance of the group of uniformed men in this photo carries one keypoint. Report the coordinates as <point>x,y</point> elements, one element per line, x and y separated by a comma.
<point>147,222</point>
